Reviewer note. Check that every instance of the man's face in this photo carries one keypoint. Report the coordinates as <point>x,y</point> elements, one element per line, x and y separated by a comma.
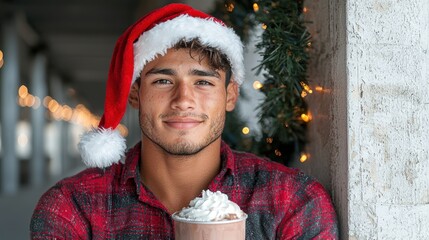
<point>183,102</point>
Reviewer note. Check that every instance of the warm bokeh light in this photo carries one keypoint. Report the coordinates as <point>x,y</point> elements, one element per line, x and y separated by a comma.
<point>257,85</point>
<point>264,26</point>
<point>53,105</point>
<point>229,7</point>
<point>123,130</point>
<point>255,7</point>
<point>245,130</point>
<point>46,101</point>
<point>306,87</point>
<point>278,153</point>
<point>304,157</point>
<point>306,117</point>
<point>269,140</point>
<point>22,140</point>
<point>79,115</point>
<point>1,59</point>
<point>66,113</point>
<point>22,91</point>
<point>29,100</point>
<point>305,10</point>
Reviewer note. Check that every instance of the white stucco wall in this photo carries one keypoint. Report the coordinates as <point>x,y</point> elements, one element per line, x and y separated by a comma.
<point>388,116</point>
<point>370,129</point>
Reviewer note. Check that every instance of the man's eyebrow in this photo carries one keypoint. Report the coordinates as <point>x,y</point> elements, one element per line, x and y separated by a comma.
<point>164,71</point>
<point>204,73</point>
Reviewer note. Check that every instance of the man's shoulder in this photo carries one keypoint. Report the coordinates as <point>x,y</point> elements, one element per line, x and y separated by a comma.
<point>264,176</point>
<point>249,161</point>
<point>265,170</point>
<point>91,177</point>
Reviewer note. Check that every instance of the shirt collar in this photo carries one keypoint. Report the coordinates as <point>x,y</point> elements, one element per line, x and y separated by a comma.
<point>132,159</point>
<point>227,157</point>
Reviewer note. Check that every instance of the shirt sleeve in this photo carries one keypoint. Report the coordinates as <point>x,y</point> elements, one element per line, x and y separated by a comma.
<point>312,215</point>
<point>56,217</point>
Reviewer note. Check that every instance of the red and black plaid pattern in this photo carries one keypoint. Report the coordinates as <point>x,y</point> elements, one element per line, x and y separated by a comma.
<point>112,203</point>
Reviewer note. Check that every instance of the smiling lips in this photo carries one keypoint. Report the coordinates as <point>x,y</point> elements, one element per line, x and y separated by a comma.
<point>182,123</point>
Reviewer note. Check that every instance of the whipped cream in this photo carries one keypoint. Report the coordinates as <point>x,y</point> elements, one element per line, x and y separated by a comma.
<point>211,206</point>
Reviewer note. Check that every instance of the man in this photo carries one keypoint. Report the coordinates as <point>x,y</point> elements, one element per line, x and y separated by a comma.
<point>181,69</point>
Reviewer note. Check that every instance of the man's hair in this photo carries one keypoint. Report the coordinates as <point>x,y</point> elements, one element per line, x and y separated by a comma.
<point>216,59</point>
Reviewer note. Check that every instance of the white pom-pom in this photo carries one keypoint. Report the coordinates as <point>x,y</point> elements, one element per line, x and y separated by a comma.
<point>101,147</point>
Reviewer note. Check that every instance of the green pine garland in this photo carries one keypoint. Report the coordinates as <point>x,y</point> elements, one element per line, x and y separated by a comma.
<point>284,49</point>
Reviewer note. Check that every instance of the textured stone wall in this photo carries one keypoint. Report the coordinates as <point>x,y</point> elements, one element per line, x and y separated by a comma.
<point>369,138</point>
<point>388,115</point>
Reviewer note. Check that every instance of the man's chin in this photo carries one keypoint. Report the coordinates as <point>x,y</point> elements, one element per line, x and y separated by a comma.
<point>185,147</point>
<point>182,149</point>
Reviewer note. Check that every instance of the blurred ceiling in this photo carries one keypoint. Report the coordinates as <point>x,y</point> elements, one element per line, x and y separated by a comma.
<point>79,36</point>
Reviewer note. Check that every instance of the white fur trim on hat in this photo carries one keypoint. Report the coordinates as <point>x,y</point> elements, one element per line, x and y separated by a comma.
<point>101,147</point>
<point>163,36</point>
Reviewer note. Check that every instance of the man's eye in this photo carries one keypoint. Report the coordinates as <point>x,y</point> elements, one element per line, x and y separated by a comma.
<point>204,83</point>
<point>162,81</point>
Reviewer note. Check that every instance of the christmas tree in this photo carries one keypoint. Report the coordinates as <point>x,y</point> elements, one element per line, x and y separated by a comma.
<point>283,46</point>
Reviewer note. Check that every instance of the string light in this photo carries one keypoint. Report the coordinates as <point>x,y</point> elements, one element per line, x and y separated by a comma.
<point>66,113</point>
<point>245,130</point>
<point>46,101</point>
<point>79,115</point>
<point>264,26</point>
<point>255,7</point>
<point>278,153</point>
<point>307,90</point>
<point>305,10</point>
<point>322,90</point>
<point>29,100</point>
<point>22,91</point>
<point>306,87</point>
<point>306,117</point>
<point>53,106</point>
<point>1,59</point>
<point>257,85</point>
<point>229,7</point>
<point>269,140</point>
<point>304,157</point>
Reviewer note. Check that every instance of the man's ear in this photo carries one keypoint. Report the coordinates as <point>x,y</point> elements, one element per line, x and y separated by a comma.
<point>231,95</point>
<point>133,97</point>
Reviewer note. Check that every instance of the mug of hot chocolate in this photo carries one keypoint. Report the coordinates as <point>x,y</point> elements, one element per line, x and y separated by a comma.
<point>211,216</point>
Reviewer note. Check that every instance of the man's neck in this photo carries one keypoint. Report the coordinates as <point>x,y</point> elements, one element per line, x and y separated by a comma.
<point>175,180</point>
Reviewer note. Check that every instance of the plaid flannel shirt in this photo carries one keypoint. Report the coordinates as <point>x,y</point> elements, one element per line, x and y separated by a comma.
<point>112,203</point>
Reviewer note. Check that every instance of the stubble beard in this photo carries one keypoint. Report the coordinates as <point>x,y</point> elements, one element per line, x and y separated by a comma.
<point>184,147</point>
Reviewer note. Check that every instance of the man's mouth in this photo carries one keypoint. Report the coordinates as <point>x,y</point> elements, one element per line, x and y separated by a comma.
<point>183,121</point>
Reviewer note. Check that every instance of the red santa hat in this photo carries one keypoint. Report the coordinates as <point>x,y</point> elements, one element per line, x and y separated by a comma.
<point>149,37</point>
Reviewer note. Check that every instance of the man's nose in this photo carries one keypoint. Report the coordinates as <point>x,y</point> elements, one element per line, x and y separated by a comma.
<point>183,98</point>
